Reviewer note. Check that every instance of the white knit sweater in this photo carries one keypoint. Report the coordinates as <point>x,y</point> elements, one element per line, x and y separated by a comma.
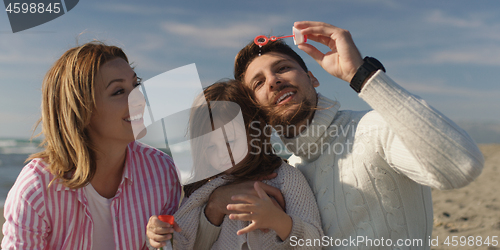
<point>300,206</point>
<point>372,171</point>
<point>374,179</point>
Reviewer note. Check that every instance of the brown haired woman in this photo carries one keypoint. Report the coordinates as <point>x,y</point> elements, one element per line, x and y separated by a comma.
<point>251,157</point>
<point>93,186</point>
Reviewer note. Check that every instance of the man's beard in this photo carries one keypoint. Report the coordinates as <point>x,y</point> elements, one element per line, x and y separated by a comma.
<point>287,116</point>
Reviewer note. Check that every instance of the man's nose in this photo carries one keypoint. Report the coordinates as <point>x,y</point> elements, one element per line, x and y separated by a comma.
<point>274,82</point>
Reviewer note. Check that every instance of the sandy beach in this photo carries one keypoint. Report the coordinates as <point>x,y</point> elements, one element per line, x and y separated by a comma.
<point>472,211</point>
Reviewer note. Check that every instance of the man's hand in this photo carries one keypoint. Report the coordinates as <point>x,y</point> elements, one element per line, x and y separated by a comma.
<point>217,203</point>
<point>261,212</point>
<point>343,59</point>
<point>159,232</point>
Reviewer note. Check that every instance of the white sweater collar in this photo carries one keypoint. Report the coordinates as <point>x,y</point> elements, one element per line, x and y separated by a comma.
<point>322,120</point>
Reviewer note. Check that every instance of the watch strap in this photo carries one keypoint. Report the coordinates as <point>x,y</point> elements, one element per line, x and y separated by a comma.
<point>369,66</point>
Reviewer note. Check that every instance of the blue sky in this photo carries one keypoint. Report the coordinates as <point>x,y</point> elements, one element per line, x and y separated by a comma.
<point>447,52</point>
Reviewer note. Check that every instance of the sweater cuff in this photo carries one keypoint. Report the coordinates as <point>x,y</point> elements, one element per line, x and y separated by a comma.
<point>296,232</point>
<point>207,233</point>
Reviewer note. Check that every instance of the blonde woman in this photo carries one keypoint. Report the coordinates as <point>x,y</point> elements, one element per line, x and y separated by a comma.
<point>93,186</point>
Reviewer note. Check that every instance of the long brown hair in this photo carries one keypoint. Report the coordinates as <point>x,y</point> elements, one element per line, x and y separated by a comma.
<point>68,100</point>
<point>260,160</point>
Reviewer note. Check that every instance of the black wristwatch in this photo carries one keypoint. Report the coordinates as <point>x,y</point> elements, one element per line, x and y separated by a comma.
<point>369,66</point>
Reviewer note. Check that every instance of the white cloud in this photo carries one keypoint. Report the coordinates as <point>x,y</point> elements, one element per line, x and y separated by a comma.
<point>15,50</point>
<point>442,37</point>
<point>227,36</point>
<point>469,54</point>
<point>16,58</point>
<point>140,9</point>
<point>475,26</point>
<point>441,18</point>
<point>150,42</point>
<point>478,54</point>
<point>391,4</point>
<point>439,87</point>
<point>472,55</point>
<point>207,36</point>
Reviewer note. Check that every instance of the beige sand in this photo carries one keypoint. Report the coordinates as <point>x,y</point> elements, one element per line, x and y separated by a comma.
<point>470,211</point>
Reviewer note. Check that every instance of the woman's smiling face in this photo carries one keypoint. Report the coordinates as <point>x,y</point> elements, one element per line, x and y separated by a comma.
<point>114,116</point>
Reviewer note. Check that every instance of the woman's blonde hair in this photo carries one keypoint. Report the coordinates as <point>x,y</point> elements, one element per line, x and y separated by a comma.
<point>68,100</point>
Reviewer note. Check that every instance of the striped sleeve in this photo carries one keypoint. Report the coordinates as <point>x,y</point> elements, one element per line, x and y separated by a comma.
<point>152,189</point>
<point>158,170</point>
<point>38,217</point>
<point>25,227</point>
<point>174,188</point>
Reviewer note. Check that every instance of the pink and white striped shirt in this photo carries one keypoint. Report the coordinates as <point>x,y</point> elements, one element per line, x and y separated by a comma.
<point>58,217</point>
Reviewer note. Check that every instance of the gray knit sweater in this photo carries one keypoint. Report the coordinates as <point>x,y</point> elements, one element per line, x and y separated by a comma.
<point>300,206</point>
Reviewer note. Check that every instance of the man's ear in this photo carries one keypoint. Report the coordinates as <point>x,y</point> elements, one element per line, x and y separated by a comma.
<point>314,81</point>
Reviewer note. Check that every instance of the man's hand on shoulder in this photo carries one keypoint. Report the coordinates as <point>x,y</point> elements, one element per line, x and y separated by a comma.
<point>217,203</point>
